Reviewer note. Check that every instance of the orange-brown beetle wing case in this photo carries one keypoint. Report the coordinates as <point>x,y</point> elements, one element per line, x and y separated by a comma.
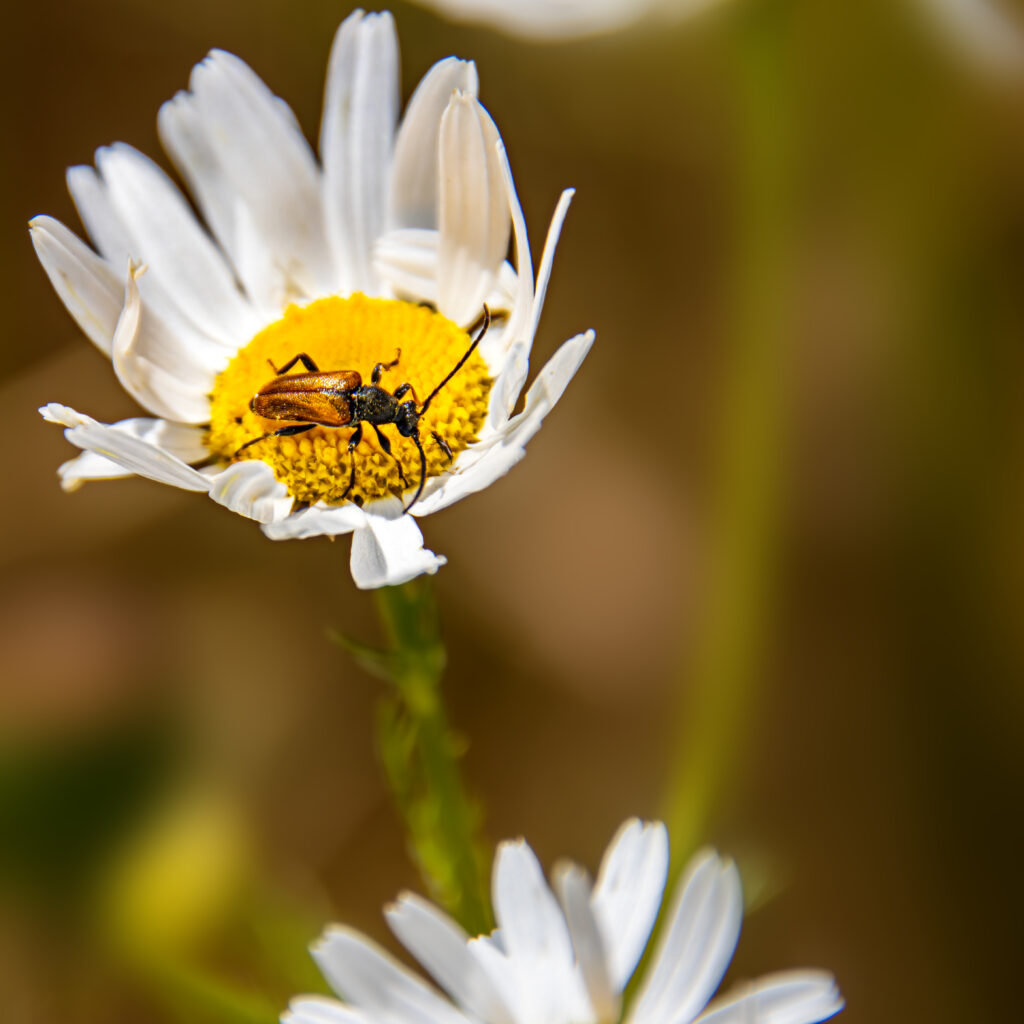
<point>321,398</point>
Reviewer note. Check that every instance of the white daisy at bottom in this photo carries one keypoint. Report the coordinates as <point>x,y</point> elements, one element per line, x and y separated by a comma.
<point>375,265</point>
<point>567,959</point>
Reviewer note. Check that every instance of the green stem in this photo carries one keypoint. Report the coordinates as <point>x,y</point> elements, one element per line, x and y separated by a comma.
<point>722,684</point>
<point>420,755</point>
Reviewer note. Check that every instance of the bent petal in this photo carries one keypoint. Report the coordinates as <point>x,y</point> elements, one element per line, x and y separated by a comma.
<point>523,303</point>
<point>89,289</point>
<point>529,301</point>
<point>179,439</point>
<point>125,449</point>
<point>152,366</point>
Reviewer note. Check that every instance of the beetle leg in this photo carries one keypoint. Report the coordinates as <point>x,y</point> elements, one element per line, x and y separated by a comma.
<point>423,472</point>
<point>353,444</point>
<point>442,443</point>
<point>381,367</point>
<point>308,363</point>
<point>299,428</point>
<point>385,444</point>
<point>403,389</point>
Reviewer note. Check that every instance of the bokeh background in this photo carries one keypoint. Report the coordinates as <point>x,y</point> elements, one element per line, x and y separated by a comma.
<point>770,543</point>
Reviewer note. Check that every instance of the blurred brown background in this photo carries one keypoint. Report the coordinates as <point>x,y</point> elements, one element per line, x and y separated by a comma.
<point>794,459</point>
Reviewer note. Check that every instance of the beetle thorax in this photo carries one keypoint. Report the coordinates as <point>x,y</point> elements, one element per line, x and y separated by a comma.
<point>373,404</point>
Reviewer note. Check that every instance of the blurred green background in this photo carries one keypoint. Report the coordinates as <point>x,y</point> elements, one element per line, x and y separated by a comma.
<point>772,539</point>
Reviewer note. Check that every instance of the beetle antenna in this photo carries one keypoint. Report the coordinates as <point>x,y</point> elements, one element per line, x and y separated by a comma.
<point>423,472</point>
<point>458,365</point>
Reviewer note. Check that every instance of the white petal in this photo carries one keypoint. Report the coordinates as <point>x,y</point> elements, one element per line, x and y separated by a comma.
<point>318,521</point>
<point>119,246</point>
<point>526,313</point>
<point>54,412</point>
<point>321,1010</point>
<point>790,997</point>
<point>406,260</point>
<point>508,385</point>
<point>388,549</point>
<point>628,894</point>
<point>271,169</point>
<point>480,465</point>
<point>134,454</point>
<point>573,886</point>
<point>547,258</point>
<point>251,489</point>
<point>536,939</point>
<point>523,306</point>
<point>441,946</point>
<point>702,929</point>
<point>183,133</point>
<point>167,237</point>
<point>86,284</point>
<point>156,367</point>
<point>356,137</point>
<point>414,181</point>
<point>183,441</point>
<point>532,926</point>
<point>373,981</point>
<point>474,214</point>
<point>98,215</point>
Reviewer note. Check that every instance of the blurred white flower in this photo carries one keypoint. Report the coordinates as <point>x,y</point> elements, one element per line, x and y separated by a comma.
<point>344,261</point>
<point>980,30</point>
<point>564,19</point>
<point>568,960</point>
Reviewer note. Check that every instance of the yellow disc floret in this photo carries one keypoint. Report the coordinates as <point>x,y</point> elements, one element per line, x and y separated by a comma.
<point>353,333</point>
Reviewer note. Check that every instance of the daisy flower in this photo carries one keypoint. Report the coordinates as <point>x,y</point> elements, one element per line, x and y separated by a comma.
<point>387,251</point>
<point>567,960</point>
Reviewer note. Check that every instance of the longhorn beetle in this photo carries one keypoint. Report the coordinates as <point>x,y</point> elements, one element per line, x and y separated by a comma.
<point>339,398</point>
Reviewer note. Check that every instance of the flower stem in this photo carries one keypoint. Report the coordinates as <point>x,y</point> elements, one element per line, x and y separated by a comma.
<point>420,755</point>
<point>724,673</point>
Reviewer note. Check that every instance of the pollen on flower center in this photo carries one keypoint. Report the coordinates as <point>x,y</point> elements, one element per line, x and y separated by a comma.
<point>353,333</point>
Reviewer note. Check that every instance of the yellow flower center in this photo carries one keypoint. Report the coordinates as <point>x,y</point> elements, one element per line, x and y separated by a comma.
<point>346,334</point>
